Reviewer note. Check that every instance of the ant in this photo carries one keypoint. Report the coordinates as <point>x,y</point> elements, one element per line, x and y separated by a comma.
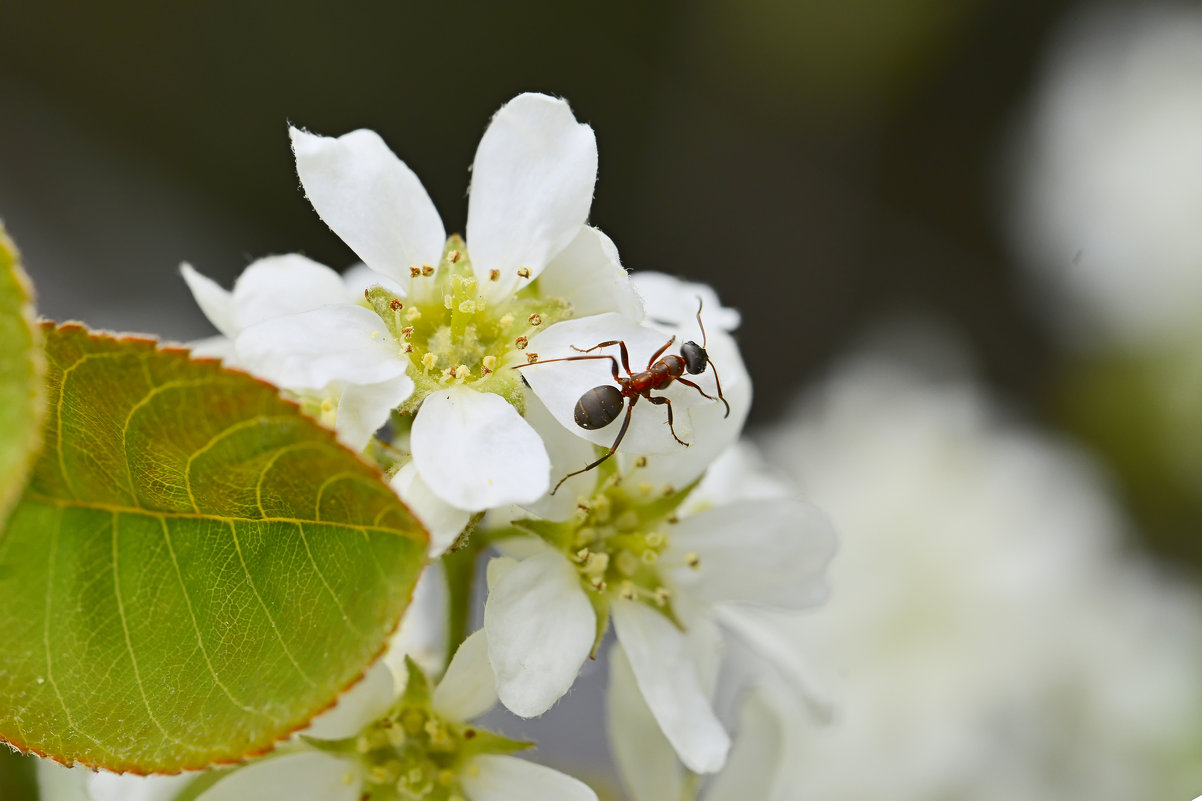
<point>601,405</point>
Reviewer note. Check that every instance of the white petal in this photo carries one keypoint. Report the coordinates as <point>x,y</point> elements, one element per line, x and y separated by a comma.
<point>532,185</point>
<point>645,759</point>
<point>288,284</point>
<point>311,349</point>
<point>567,453</point>
<point>498,568</point>
<point>540,628</point>
<point>468,689</point>
<point>757,756</point>
<point>739,473</point>
<point>422,635</point>
<point>359,278</point>
<point>364,408</point>
<point>104,786</point>
<point>219,347</point>
<point>589,274</point>
<point>502,778</point>
<point>670,685</point>
<point>370,199</point>
<point>309,775</point>
<point>675,303</point>
<point>444,522</point>
<point>560,384</point>
<point>62,783</point>
<point>474,450</point>
<point>215,302</point>
<point>766,551</point>
<point>367,701</point>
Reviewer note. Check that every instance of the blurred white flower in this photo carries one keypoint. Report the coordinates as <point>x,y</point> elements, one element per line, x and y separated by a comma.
<point>1109,189</point>
<point>992,639</point>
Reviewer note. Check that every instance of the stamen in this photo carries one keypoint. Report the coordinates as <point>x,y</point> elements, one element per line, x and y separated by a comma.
<point>523,272</point>
<point>414,272</point>
<point>429,361</point>
<point>407,331</point>
<point>413,315</point>
<point>395,305</point>
<point>453,256</point>
<point>506,320</point>
<point>692,560</point>
<point>520,343</point>
<point>531,358</point>
<point>535,319</point>
<point>448,301</point>
<point>494,275</point>
<point>468,306</point>
<point>488,364</point>
<point>427,270</point>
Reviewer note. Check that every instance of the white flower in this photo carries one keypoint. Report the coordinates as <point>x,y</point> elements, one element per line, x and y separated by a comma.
<point>1110,182</point>
<point>993,639</point>
<point>332,385</point>
<point>661,563</point>
<point>454,321</point>
<point>420,746</point>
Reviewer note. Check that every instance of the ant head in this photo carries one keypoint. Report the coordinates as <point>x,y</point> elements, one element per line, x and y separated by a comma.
<point>695,358</point>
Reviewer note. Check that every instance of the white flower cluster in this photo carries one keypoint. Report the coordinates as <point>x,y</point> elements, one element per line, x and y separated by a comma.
<point>992,637</point>
<point>493,378</point>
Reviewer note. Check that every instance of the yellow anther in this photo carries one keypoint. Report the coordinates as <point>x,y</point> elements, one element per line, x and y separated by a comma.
<point>523,272</point>
<point>531,357</point>
<point>662,596</point>
<point>628,592</point>
<point>453,256</point>
<point>628,563</point>
<point>649,557</point>
<point>494,275</point>
<point>692,560</point>
<point>654,539</point>
<point>429,361</point>
<point>414,271</point>
<point>535,319</point>
<point>427,270</point>
<point>413,314</point>
<point>585,535</point>
<point>506,320</point>
<point>488,364</point>
<point>462,371</point>
<point>645,487</point>
<point>468,306</point>
<point>520,343</point>
<point>407,331</point>
<point>628,520</point>
<point>448,302</point>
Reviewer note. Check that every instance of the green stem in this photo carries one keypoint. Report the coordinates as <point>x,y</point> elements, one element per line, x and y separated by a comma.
<point>459,567</point>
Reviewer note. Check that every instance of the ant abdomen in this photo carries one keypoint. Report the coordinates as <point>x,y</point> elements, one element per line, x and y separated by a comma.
<point>599,407</point>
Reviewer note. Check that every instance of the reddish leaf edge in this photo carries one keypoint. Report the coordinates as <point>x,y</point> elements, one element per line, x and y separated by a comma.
<point>142,340</point>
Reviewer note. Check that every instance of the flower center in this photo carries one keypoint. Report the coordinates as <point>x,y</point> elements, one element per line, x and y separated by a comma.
<point>620,541</point>
<point>413,755</point>
<point>451,333</point>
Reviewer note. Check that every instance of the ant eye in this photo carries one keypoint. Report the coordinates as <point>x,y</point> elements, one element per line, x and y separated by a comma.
<point>695,357</point>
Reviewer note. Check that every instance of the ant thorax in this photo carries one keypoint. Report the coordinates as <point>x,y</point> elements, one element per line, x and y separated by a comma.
<point>451,334</point>
<point>620,539</point>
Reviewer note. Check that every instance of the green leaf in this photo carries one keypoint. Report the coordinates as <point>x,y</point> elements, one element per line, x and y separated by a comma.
<point>195,569</point>
<point>21,366</point>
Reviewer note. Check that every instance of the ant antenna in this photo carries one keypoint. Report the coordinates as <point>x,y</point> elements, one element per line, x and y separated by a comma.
<point>704,339</point>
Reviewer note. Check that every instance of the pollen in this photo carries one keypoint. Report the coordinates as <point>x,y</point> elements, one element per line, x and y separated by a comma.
<point>488,364</point>
<point>523,272</point>
<point>494,275</point>
<point>427,270</point>
<point>641,461</point>
<point>535,319</point>
<point>520,343</point>
<point>468,306</point>
<point>462,371</point>
<point>506,320</point>
<point>407,331</point>
<point>414,272</point>
<point>429,361</point>
<point>413,315</point>
<point>531,358</point>
<point>396,305</point>
<point>453,256</point>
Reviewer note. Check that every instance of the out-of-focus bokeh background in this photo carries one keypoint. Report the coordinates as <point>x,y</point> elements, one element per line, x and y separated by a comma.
<point>1011,192</point>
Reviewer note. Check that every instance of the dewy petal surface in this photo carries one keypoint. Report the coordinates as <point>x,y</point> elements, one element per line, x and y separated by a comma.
<point>307,775</point>
<point>371,199</point>
<point>667,677</point>
<point>645,759</point>
<point>502,778</point>
<point>589,273</point>
<point>468,689</point>
<point>364,408</point>
<point>540,628</point>
<point>216,303</point>
<point>311,349</point>
<point>772,552</point>
<point>278,285</point>
<point>532,186</point>
<point>475,451</point>
<point>443,521</point>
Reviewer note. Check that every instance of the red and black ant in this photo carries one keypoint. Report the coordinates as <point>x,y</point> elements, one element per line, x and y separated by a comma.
<point>601,405</point>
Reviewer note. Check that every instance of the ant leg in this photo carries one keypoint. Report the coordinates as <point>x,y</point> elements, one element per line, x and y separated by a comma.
<point>609,453</point>
<point>705,394</point>
<point>655,356</point>
<point>659,400</point>
<point>619,343</point>
<point>573,359</point>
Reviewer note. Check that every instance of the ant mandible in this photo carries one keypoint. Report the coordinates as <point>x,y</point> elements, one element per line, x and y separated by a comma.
<point>601,405</point>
